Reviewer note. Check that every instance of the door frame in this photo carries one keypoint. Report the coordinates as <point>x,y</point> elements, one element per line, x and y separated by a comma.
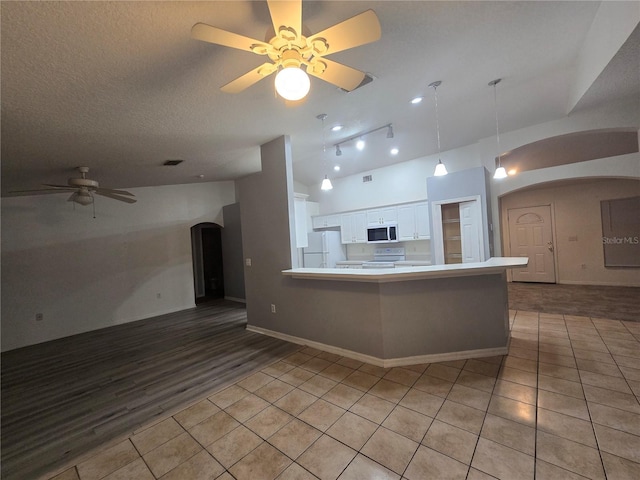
<point>197,259</point>
<point>506,237</point>
<point>437,241</point>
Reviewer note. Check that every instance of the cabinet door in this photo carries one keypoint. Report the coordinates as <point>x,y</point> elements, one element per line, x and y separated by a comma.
<point>422,221</point>
<point>359,227</point>
<point>406,223</point>
<point>332,220</point>
<point>382,215</point>
<point>346,228</point>
<point>318,221</point>
<point>300,210</point>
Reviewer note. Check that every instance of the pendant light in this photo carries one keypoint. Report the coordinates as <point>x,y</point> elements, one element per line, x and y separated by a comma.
<point>326,183</point>
<point>500,171</point>
<point>440,168</point>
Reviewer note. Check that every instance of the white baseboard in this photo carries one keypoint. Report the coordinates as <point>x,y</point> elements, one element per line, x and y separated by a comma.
<point>599,284</point>
<point>381,362</point>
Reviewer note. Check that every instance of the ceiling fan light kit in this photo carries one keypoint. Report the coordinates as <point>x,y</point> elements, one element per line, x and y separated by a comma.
<point>289,50</point>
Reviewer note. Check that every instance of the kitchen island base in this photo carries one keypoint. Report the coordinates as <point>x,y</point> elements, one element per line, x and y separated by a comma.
<point>399,316</point>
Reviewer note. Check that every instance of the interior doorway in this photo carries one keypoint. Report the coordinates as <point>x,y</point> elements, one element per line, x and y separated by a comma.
<point>208,276</point>
<point>531,235</point>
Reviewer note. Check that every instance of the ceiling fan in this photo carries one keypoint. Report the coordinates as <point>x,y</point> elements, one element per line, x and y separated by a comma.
<point>83,189</point>
<point>289,50</point>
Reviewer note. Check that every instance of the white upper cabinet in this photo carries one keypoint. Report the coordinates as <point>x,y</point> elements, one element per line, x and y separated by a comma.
<point>353,227</point>
<point>382,216</point>
<point>413,222</point>
<point>325,221</point>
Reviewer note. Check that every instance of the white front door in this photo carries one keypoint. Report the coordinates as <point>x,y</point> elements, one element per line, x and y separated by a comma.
<point>531,235</point>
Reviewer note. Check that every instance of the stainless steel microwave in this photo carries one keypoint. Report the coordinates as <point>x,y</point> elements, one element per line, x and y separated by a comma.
<point>386,233</point>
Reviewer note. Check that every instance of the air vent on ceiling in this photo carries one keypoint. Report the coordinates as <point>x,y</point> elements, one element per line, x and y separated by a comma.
<point>172,163</point>
<point>367,178</point>
<point>368,78</point>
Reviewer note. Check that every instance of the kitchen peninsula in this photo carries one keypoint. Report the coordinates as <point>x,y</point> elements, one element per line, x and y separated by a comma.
<point>403,316</point>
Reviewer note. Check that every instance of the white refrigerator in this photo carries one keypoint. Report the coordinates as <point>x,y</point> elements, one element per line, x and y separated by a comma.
<point>324,250</point>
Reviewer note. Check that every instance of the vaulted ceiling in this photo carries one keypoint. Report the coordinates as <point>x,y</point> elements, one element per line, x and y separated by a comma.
<point>121,86</point>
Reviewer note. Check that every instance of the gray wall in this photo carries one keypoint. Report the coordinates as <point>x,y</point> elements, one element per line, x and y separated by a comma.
<point>232,257</point>
<point>266,207</point>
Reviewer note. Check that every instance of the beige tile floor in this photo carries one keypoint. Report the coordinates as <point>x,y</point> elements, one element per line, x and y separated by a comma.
<point>562,405</point>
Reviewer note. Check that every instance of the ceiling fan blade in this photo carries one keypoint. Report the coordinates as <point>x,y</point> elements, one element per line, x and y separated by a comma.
<point>249,78</point>
<point>116,197</point>
<point>207,33</point>
<point>338,74</point>
<point>111,190</point>
<point>287,15</point>
<point>65,187</point>
<point>49,190</point>
<point>359,30</point>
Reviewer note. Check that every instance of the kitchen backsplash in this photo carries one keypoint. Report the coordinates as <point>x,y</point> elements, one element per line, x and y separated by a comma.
<point>414,250</point>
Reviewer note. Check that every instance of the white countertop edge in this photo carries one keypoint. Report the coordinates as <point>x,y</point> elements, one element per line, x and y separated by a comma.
<point>401,274</point>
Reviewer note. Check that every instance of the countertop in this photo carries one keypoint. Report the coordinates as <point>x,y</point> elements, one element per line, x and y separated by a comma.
<point>401,274</point>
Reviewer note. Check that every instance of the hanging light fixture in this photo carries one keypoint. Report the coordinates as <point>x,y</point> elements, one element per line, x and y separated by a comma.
<point>500,170</point>
<point>338,151</point>
<point>326,183</point>
<point>440,168</point>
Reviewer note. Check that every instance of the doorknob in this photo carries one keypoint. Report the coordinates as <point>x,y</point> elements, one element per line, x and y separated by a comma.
<point>550,246</point>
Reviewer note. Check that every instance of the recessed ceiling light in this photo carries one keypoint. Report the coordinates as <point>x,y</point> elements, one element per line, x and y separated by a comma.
<point>394,151</point>
<point>337,168</point>
<point>337,128</point>
<point>360,144</point>
<point>416,100</point>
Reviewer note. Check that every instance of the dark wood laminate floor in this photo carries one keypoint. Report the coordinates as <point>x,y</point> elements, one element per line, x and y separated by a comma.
<point>62,398</point>
<point>617,303</point>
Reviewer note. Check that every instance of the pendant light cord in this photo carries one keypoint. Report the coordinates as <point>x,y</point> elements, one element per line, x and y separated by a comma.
<point>435,93</point>
<point>495,103</point>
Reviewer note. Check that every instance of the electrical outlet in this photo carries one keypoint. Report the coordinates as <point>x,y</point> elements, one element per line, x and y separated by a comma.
<point>247,262</point>
<point>583,266</point>
<point>273,308</point>
<point>39,317</point>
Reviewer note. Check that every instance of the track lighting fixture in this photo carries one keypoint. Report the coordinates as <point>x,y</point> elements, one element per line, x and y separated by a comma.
<point>440,168</point>
<point>500,170</point>
<point>360,144</point>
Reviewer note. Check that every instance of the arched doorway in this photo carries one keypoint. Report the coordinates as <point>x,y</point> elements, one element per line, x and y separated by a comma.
<point>206,251</point>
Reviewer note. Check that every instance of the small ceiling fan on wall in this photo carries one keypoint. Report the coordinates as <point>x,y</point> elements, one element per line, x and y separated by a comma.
<point>289,50</point>
<point>83,189</point>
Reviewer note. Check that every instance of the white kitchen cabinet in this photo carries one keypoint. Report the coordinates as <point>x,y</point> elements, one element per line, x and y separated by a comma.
<point>382,216</point>
<point>325,221</point>
<point>413,222</point>
<point>300,212</point>
<point>353,227</point>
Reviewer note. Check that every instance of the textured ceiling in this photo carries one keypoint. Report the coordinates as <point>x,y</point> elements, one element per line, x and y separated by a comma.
<point>121,86</point>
